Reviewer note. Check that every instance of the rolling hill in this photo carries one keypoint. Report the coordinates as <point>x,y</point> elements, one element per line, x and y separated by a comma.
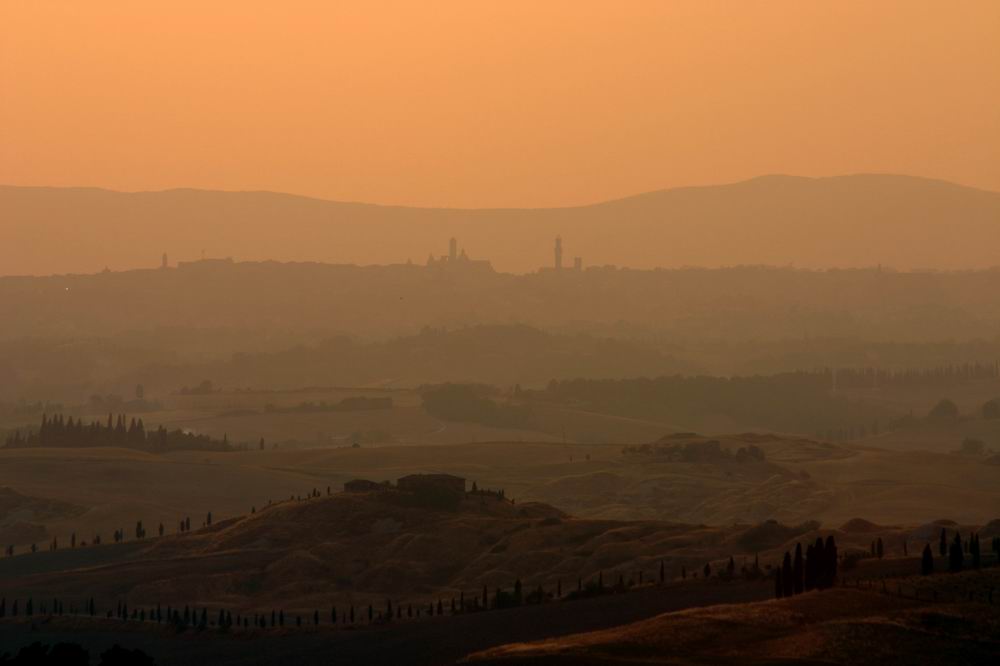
<point>847,221</point>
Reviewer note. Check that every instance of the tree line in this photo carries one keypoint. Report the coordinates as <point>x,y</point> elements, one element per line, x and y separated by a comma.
<point>63,431</point>
<point>948,375</point>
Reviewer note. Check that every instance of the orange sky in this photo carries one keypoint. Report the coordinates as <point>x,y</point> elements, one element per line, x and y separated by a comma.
<point>474,103</point>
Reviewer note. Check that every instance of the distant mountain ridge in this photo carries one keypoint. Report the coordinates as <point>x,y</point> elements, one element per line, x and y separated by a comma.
<point>844,221</point>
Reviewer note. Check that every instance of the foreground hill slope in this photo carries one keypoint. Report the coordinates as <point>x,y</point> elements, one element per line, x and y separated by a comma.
<point>836,626</point>
<point>847,221</point>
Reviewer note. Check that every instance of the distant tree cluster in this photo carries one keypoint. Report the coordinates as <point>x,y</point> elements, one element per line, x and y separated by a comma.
<point>204,388</point>
<point>710,451</point>
<point>471,403</point>
<point>817,570</point>
<point>794,401</point>
<point>948,375</point>
<point>116,403</point>
<point>62,431</point>
<point>350,404</point>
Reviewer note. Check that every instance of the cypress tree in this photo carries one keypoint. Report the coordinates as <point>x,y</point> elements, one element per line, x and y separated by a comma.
<point>943,544</point>
<point>830,560</point>
<point>809,576</point>
<point>879,551</point>
<point>956,556</point>
<point>927,561</point>
<point>797,570</point>
<point>787,582</point>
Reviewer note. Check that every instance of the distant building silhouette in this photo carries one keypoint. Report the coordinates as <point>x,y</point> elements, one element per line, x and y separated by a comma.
<point>557,263</point>
<point>458,259</point>
<point>163,263</point>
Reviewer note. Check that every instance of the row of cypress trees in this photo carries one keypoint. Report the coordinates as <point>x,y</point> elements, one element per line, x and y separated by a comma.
<point>817,570</point>
<point>195,618</point>
<point>955,552</point>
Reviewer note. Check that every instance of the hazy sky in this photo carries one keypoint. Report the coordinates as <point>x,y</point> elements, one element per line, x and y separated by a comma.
<point>506,103</point>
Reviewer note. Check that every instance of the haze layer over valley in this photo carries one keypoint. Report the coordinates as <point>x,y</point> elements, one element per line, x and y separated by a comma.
<point>559,333</point>
<point>570,447</point>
